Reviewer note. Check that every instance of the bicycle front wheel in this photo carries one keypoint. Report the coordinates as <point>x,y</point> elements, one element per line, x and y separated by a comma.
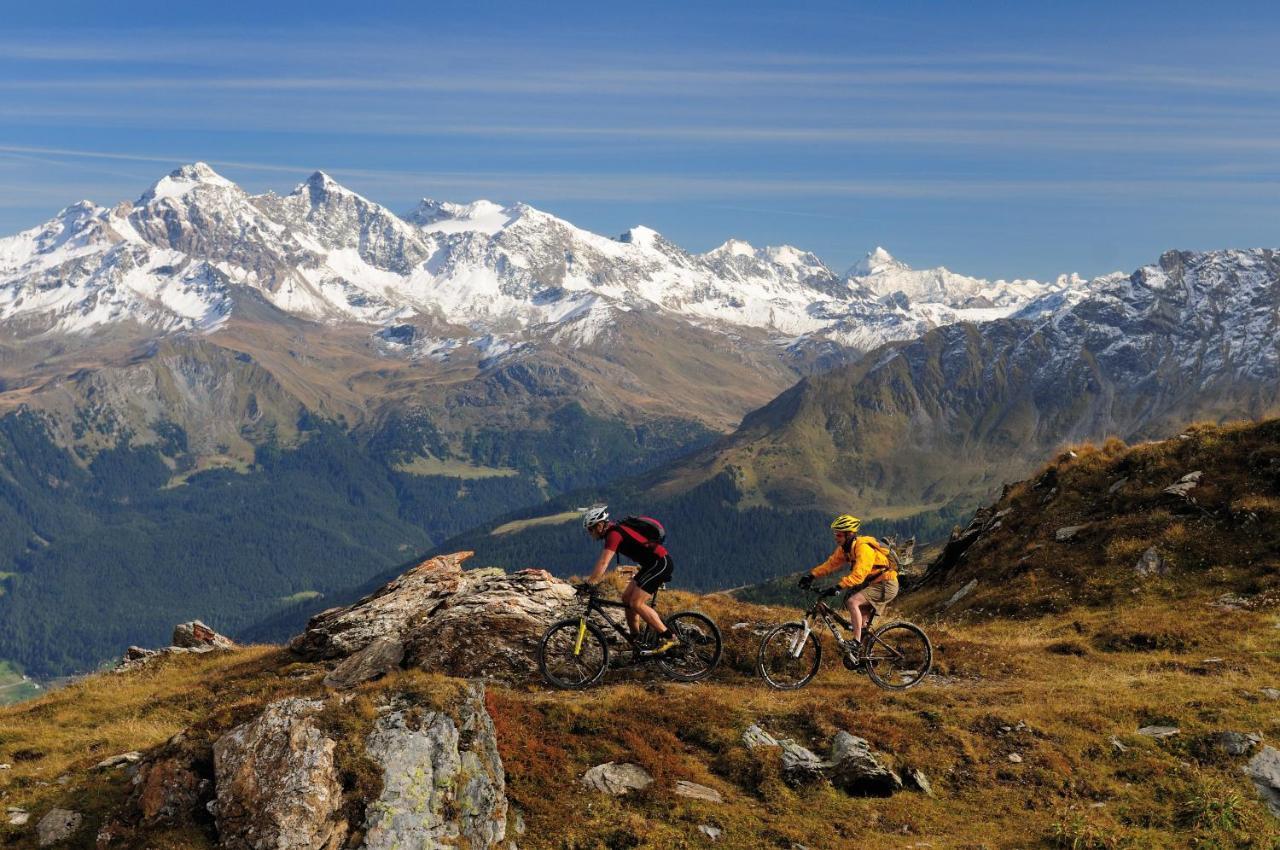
<point>573,654</point>
<point>700,648</point>
<point>898,656</point>
<point>789,658</point>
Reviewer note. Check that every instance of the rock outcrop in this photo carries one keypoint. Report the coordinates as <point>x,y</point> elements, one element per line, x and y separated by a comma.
<point>190,637</point>
<point>473,623</point>
<point>442,781</point>
<point>277,784</point>
<point>57,826</point>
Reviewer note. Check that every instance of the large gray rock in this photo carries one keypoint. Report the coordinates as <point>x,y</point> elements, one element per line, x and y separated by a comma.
<point>58,825</point>
<point>856,770</point>
<point>477,623</point>
<point>1235,743</point>
<point>442,781</point>
<point>380,657</point>
<point>277,786</point>
<point>1264,770</point>
<point>617,779</point>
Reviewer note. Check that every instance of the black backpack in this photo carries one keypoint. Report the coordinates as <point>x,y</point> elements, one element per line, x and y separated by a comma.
<point>644,529</point>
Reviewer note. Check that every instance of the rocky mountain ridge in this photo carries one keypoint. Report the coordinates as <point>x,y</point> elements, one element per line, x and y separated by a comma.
<point>175,258</point>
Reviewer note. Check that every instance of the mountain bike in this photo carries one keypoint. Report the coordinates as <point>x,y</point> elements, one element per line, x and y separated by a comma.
<point>574,652</point>
<point>895,656</point>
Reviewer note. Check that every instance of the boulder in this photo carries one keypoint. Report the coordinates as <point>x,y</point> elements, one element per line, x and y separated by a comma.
<point>617,779</point>
<point>166,791</point>
<point>476,623</point>
<point>858,771</point>
<point>195,634</point>
<point>698,792</point>
<point>380,657</point>
<point>277,786</point>
<point>1264,770</point>
<point>58,825</point>
<point>442,780</point>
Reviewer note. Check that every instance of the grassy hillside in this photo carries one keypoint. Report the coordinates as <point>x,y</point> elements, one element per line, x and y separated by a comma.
<point>1004,687</point>
<point>14,687</point>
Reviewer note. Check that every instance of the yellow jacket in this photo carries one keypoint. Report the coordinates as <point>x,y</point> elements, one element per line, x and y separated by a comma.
<point>868,555</point>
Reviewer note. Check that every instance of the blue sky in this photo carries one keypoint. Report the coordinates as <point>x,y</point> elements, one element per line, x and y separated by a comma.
<point>1003,140</point>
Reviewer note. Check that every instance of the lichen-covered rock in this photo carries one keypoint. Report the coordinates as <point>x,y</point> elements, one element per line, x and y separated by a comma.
<point>442,781</point>
<point>166,791</point>
<point>277,787</point>
<point>340,632</point>
<point>617,779</point>
<point>800,765</point>
<point>477,623</point>
<point>856,770</point>
<point>380,657</point>
<point>58,825</point>
<point>754,737</point>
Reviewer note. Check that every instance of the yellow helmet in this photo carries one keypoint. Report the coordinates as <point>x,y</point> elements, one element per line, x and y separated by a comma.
<point>846,522</point>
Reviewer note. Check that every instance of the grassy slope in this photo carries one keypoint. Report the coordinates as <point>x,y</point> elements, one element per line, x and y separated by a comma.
<point>992,675</point>
<point>13,687</point>
<point>1051,658</point>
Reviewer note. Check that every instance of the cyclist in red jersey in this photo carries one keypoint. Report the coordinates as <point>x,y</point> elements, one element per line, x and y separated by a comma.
<point>655,570</point>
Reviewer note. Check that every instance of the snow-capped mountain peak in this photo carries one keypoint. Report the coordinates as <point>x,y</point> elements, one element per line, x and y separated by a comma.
<point>877,261</point>
<point>181,181</point>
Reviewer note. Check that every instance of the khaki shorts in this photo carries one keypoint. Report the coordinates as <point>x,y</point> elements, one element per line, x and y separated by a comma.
<point>880,594</point>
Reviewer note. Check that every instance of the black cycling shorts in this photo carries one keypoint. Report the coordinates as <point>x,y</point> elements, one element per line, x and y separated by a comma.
<point>650,578</point>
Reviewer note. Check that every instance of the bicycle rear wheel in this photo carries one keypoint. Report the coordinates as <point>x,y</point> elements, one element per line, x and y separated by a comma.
<point>700,648</point>
<point>788,658</point>
<point>572,656</point>
<point>898,656</point>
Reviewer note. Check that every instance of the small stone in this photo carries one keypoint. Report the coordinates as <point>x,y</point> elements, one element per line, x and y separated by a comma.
<point>1185,485</point>
<point>1159,732</point>
<point>1117,485</point>
<point>1067,532</point>
<point>17,817</point>
<point>711,832</point>
<point>738,626</point>
<point>698,792</point>
<point>917,780</point>
<point>119,761</point>
<point>1235,743</point>
<point>1120,747</point>
<point>754,737</point>
<point>960,594</point>
<point>617,779</point>
<point>857,770</point>
<point>1269,693</point>
<point>1015,758</point>
<point>57,825</point>
<point>10,767</point>
<point>800,765</point>
<point>1150,564</point>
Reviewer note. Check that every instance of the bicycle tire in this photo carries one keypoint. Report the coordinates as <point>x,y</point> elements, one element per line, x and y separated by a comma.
<point>703,646</point>
<point>558,639</point>
<point>793,672</point>
<point>899,656</point>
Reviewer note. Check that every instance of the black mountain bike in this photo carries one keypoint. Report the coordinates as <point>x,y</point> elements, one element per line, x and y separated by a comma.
<point>896,656</point>
<point>574,652</point>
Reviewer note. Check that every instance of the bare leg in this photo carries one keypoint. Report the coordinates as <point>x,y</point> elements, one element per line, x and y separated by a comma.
<point>637,602</point>
<point>855,604</point>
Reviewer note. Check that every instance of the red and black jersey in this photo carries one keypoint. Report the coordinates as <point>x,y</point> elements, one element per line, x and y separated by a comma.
<point>632,545</point>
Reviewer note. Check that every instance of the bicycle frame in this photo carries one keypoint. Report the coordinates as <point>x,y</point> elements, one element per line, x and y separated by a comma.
<point>824,611</point>
<point>597,605</point>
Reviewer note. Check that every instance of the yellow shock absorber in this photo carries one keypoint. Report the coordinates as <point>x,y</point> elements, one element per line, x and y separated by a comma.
<point>577,644</point>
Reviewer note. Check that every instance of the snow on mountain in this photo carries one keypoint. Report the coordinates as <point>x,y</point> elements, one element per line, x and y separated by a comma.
<point>879,272</point>
<point>175,257</point>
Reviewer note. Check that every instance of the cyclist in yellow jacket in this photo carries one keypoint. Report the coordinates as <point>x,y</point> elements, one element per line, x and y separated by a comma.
<point>872,581</point>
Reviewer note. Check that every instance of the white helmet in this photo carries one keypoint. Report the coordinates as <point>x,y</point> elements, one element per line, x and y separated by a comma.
<point>595,514</point>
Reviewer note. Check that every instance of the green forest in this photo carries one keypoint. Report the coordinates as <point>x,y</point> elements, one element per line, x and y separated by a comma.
<point>100,555</point>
